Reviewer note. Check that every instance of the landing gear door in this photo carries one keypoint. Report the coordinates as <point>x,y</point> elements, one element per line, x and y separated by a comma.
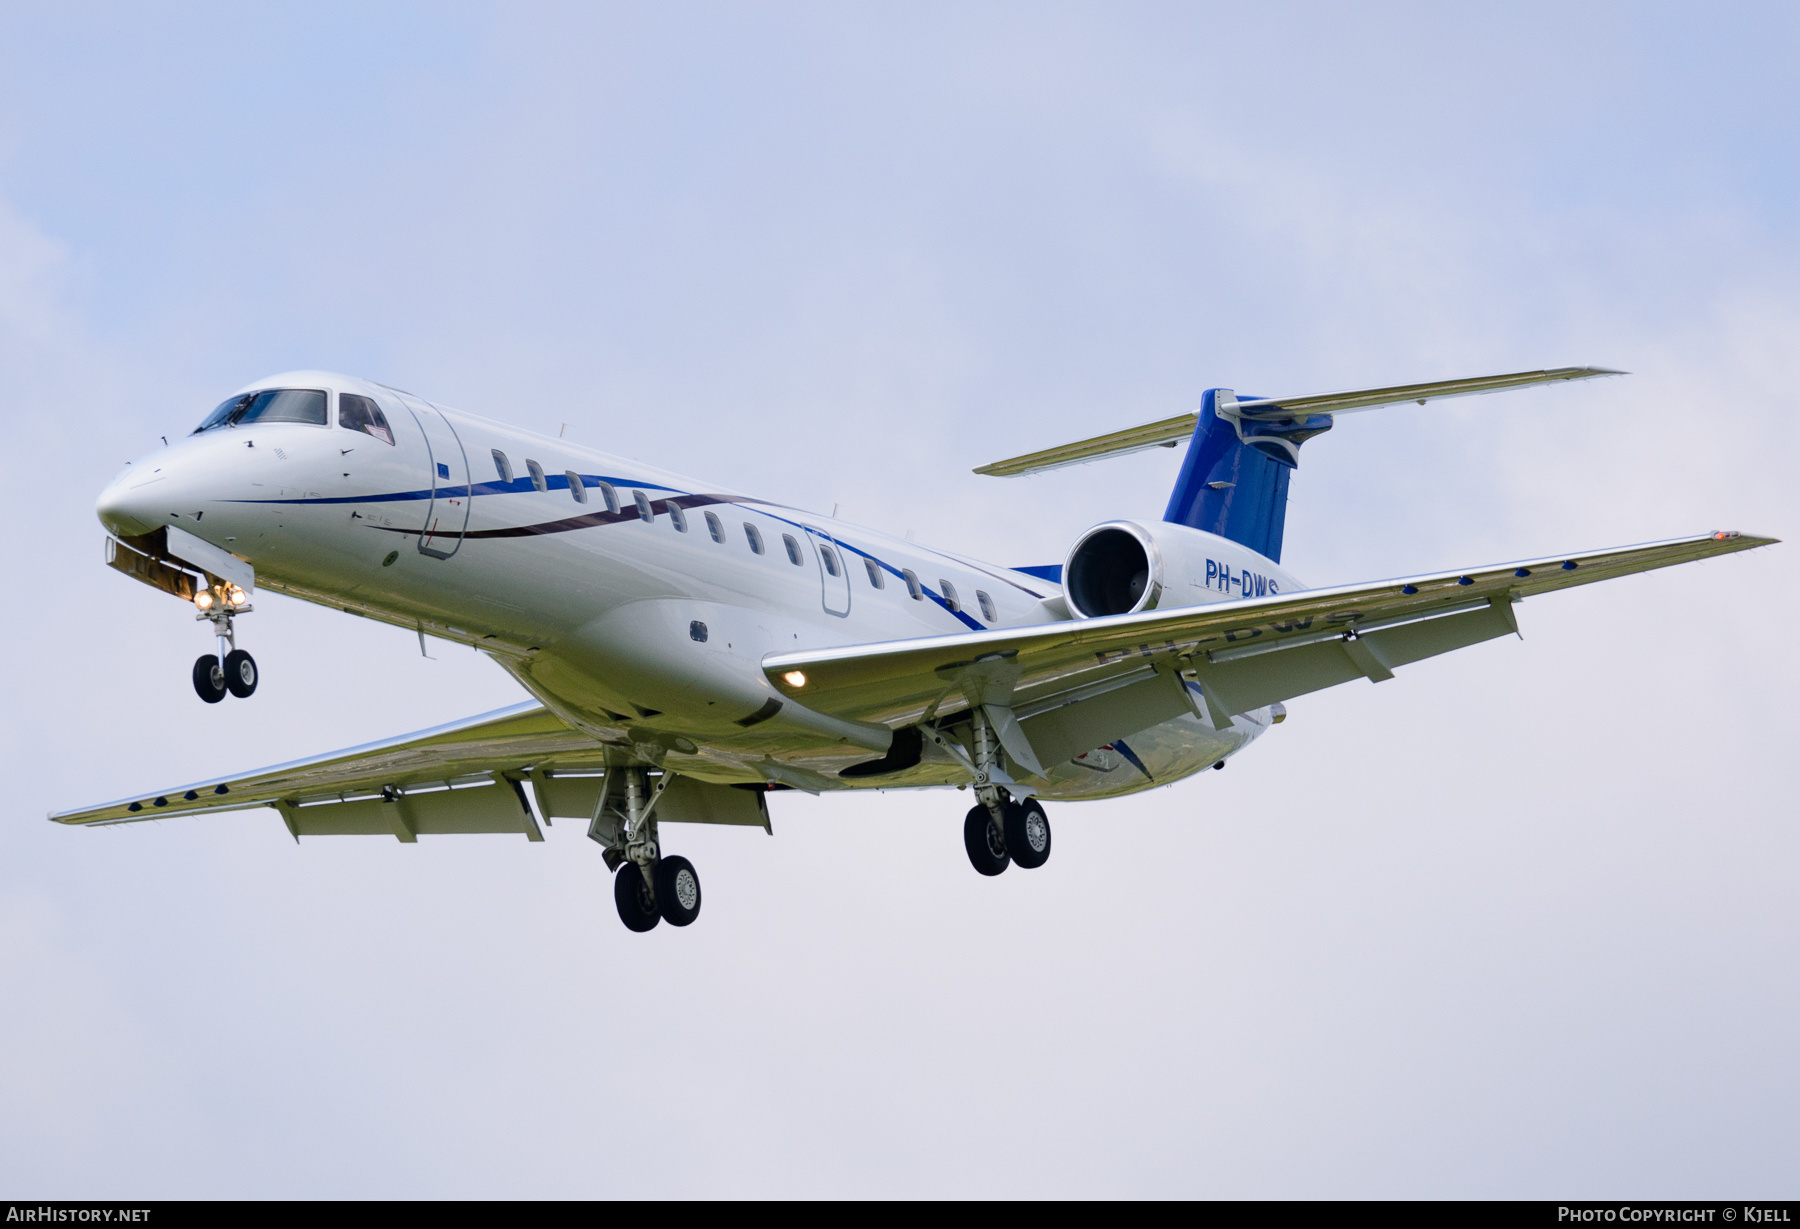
<point>447,511</point>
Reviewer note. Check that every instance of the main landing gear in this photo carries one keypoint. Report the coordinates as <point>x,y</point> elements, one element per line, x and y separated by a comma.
<point>231,669</point>
<point>1020,837</point>
<point>1001,831</point>
<point>647,887</point>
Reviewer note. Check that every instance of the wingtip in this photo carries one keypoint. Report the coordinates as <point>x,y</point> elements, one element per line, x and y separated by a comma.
<point>1746,541</point>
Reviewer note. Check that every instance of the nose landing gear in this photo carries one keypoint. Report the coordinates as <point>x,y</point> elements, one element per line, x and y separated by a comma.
<point>231,669</point>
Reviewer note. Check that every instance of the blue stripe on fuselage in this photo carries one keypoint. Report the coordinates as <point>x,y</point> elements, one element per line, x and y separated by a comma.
<point>561,483</point>
<point>518,486</point>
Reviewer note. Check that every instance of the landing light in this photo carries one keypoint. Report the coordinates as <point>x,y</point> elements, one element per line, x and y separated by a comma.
<point>238,596</point>
<point>794,678</point>
<point>203,600</point>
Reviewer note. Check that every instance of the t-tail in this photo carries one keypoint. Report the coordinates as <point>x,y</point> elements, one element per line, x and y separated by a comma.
<point>1242,450</point>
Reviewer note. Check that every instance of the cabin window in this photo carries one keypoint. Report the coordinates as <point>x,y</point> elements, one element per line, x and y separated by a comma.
<point>501,464</point>
<point>831,561</point>
<point>645,511</point>
<point>362,414</point>
<point>753,535</point>
<point>793,548</point>
<point>577,487</point>
<point>610,496</point>
<point>912,584</point>
<point>537,475</point>
<point>876,579</point>
<point>677,517</point>
<point>715,527</point>
<point>987,605</point>
<point>950,598</point>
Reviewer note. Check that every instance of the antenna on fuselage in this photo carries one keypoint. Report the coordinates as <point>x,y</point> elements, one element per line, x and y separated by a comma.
<point>563,432</point>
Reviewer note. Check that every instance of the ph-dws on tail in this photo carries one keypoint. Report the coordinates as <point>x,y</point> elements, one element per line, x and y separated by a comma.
<point>690,649</point>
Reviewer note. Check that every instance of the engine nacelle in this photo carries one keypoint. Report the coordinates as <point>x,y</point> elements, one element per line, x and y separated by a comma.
<point>1123,567</point>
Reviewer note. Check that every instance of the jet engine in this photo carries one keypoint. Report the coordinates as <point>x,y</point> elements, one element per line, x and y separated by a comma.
<point>1123,567</point>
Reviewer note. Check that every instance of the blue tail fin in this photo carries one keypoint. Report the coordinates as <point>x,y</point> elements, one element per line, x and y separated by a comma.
<point>1234,481</point>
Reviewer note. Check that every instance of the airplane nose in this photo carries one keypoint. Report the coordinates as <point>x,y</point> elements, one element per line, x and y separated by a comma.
<point>125,506</point>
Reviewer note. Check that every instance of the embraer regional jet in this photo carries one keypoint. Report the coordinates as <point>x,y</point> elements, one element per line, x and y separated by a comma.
<point>690,649</point>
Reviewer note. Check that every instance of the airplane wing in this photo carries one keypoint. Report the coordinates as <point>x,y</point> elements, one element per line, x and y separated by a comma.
<point>462,777</point>
<point>1168,432</point>
<point>1218,660</point>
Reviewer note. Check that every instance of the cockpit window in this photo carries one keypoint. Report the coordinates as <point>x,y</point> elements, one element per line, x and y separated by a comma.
<point>362,414</point>
<point>217,417</point>
<point>304,405</point>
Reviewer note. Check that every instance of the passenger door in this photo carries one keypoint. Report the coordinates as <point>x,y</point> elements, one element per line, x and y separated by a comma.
<point>447,465</point>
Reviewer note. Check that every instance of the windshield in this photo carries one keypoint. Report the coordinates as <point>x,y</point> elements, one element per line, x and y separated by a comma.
<point>305,405</point>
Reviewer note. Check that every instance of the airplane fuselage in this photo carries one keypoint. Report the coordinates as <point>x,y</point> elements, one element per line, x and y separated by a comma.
<point>635,603</point>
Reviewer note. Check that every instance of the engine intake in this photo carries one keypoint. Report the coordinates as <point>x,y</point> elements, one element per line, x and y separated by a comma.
<point>1109,573</point>
<point>1124,567</point>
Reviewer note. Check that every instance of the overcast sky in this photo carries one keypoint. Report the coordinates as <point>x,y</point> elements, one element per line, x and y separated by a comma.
<point>1522,922</point>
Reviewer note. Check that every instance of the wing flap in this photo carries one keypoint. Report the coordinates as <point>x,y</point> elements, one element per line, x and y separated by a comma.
<point>1067,730</point>
<point>1291,670</point>
<point>492,806</point>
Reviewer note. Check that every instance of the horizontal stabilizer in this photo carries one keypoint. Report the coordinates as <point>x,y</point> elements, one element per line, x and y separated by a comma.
<point>1169,432</point>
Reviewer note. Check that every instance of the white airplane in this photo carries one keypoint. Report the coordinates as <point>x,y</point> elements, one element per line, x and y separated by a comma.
<point>689,648</point>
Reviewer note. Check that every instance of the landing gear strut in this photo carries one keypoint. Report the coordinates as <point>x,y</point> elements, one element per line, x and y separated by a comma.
<point>647,887</point>
<point>231,669</point>
<point>1001,831</point>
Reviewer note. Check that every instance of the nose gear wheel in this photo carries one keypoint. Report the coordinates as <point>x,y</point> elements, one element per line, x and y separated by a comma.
<point>209,679</point>
<point>240,674</point>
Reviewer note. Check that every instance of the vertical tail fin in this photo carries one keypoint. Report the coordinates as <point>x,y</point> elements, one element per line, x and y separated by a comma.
<point>1234,480</point>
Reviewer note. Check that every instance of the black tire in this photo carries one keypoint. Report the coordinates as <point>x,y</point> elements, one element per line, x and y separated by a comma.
<point>1028,833</point>
<point>240,674</point>
<point>677,891</point>
<point>209,679</point>
<point>983,839</point>
<point>632,895</point>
